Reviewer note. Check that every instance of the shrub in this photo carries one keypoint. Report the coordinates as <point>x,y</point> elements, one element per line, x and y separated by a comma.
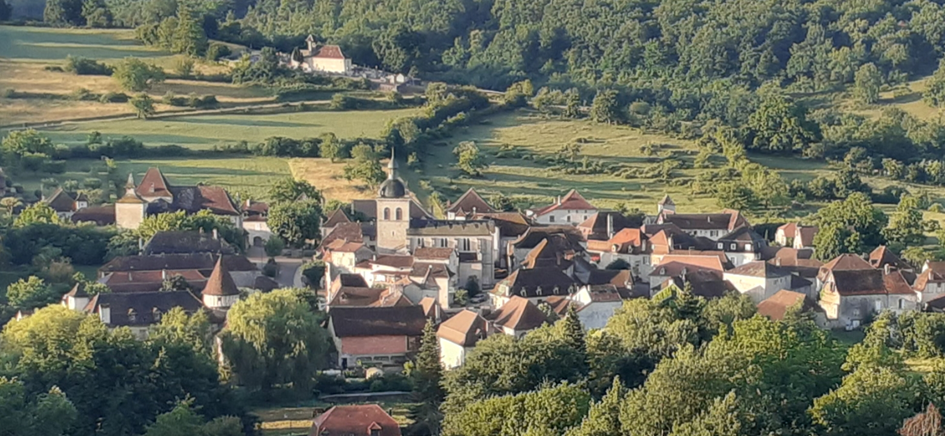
<point>174,100</point>
<point>49,183</point>
<point>271,268</point>
<point>340,102</point>
<point>84,66</point>
<point>217,51</point>
<point>8,93</point>
<point>114,97</point>
<point>205,102</point>
<point>92,183</point>
<point>274,246</point>
<point>54,166</point>
<point>314,272</point>
<point>83,94</point>
<point>936,207</point>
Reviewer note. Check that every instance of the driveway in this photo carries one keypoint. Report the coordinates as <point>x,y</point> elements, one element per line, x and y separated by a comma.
<point>288,276</point>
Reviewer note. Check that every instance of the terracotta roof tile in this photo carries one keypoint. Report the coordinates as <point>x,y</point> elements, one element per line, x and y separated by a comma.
<point>378,321</point>
<point>518,314</point>
<point>220,281</point>
<point>470,202</point>
<point>465,328</point>
<point>355,420</point>
<point>335,218</point>
<point>100,215</point>
<point>572,201</point>
<point>776,306</point>
<point>153,184</point>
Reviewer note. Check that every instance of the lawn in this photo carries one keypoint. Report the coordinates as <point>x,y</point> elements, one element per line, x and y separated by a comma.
<point>327,177</point>
<point>204,131</point>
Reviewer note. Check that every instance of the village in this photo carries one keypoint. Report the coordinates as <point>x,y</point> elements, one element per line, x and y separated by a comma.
<point>391,267</point>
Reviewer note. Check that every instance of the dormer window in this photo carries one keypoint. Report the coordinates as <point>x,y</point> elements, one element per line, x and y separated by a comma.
<point>734,246</point>
<point>156,314</point>
<point>132,315</point>
<point>721,245</point>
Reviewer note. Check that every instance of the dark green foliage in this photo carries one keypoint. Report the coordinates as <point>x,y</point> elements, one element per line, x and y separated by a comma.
<point>314,273</point>
<point>84,66</point>
<point>85,245</point>
<point>427,374</point>
<point>296,222</point>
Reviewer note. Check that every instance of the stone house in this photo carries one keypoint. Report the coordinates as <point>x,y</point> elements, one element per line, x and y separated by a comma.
<point>572,209</point>
<point>706,225</point>
<point>517,317</point>
<point>255,215</point>
<point>66,204</point>
<point>385,335</point>
<point>930,284</point>
<point>629,245</point>
<point>761,280</point>
<point>741,246</point>
<point>468,205</point>
<point>156,195</point>
<point>849,297</point>
<point>458,336</point>
<point>533,284</point>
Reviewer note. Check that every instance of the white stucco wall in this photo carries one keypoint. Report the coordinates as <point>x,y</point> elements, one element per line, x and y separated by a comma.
<point>452,355</point>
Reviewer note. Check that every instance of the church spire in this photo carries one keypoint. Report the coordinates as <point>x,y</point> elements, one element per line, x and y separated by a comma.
<point>392,166</point>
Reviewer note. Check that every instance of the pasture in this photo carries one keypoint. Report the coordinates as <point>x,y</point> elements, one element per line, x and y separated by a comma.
<point>204,131</point>
<point>246,176</point>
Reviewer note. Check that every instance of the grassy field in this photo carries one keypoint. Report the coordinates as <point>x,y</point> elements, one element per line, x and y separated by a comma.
<point>25,52</point>
<point>246,176</point>
<point>534,182</point>
<point>203,131</point>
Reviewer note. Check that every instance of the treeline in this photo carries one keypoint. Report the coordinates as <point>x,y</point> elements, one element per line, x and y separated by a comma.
<point>680,365</point>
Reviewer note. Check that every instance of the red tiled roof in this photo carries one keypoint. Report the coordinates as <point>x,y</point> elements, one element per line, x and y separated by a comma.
<point>519,314</point>
<point>465,328</point>
<point>806,234</point>
<point>788,229</point>
<point>844,262</point>
<point>328,52</point>
<point>572,201</point>
<point>470,202</point>
<point>628,241</point>
<point>357,420</point>
<point>220,281</point>
<point>100,215</point>
<point>776,306</point>
<point>154,184</point>
<point>335,218</point>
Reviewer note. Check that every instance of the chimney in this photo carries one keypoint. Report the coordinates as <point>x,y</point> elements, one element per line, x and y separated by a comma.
<point>886,269</point>
<point>130,278</point>
<point>777,261</point>
<point>163,274</point>
<point>610,225</point>
<point>559,200</point>
<point>474,210</point>
<point>216,235</point>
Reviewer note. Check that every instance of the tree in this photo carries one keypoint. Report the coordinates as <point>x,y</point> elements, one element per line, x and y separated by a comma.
<point>288,189</point>
<point>22,414</point>
<point>573,104</point>
<point>177,327</point>
<point>183,421</point>
<point>274,338</point>
<point>19,143</point>
<point>468,159</point>
<point>618,264</point>
<point>723,418</point>
<point>551,410</point>
<point>780,125</point>
<point>135,75</point>
<point>176,283</point>
<point>605,107</point>
<point>603,418</point>
<point>274,246</point>
<point>6,11</point>
<point>30,293</point>
<point>572,330</point>
<point>871,401</point>
<point>36,213</point>
<point>906,227</point>
<point>427,374</point>
<point>849,226</point>
<point>96,13</point>
<point>56,346</point>
<point>935,87</point>
<point>867,83</point>
<point>518,93</point>
<point>296,222</point>
<point>314,273</point>
<point>331,147</point>
<point>63,13</point>
<point>189,37</point>
<point>143,106</point>
<point>366,166</point>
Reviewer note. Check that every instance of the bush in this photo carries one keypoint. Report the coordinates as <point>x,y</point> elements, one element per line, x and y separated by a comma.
<point>274,246</point>
<point>54,166</point>
<point>340,102</point>
<point>174,100</point>
<point>84,66</point>
<point>314,272</point>
<point>204,102</point>
<point>83,94</point>
<point>271,268</point>
<point>114,97</point>
<point>92,183</point>
<point>216,51</point>
<point>936,207</point>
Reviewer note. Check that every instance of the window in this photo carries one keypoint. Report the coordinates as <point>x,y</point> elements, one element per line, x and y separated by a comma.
<point>399,214</point>
<point>568,218</point>
<point>721,245</point>
<point>900,303</point>
<point>386,213</point>
<point>464,244</point>
<point>132,316</point>
<point>747,247</point>
<point>551,219</point>
<point>734,246</point>
<point>442,242</point>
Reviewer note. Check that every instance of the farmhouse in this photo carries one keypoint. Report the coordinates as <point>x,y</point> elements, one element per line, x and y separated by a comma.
<point>364,419</point>
<point>66,204</point>
<point>573,209</point>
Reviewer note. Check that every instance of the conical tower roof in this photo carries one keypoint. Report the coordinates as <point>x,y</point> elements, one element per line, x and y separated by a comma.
<point>220,282</point>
